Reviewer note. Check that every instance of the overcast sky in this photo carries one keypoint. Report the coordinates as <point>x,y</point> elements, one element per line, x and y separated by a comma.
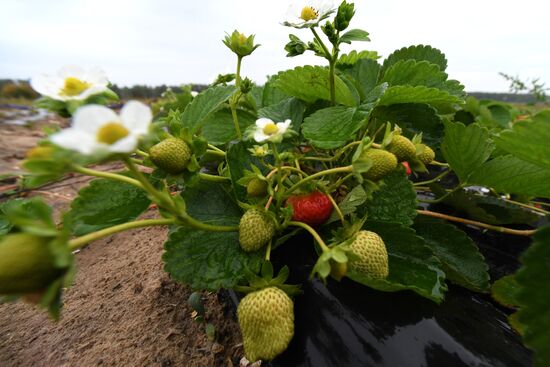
<point>173,42</point>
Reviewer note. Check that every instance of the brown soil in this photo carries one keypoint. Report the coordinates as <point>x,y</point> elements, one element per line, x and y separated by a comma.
<point>122,309</point>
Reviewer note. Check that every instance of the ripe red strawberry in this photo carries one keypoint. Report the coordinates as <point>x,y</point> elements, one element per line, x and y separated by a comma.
<point>313,209</point>
<point>407,168</point>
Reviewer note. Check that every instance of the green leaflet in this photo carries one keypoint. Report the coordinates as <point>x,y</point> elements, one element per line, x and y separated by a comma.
<point>441,100</point>
<point>411,263</point>
<point>534,297</point>
<point>289,108</point>
<point>219,127</point>
<point>505,291</point>
<point>332,127</point>
<point>512,175</point>
<point>529,140</point>
<point>104,203</point>
<point>413,118</point>
<point>395,201</point>
<point>239,159</point>
<point>208,260</point>
<point>419,53</point>
<point>465,148</point>
<point>310,83</point>
<point>416,73</point>
<point>204,104</point>
<point>364,74</point>
<point>463,263</point>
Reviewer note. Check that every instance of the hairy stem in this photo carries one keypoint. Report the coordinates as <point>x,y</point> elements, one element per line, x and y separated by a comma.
<point>213,178</point>
<point>82,241</point>
<point>107,175</point>
<point>517,232</point>
<point>435,179</point>
<point>345,169</point>
<point>314,233</point>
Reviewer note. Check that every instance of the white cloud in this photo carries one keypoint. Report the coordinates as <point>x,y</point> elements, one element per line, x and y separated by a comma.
<point>163,41</point>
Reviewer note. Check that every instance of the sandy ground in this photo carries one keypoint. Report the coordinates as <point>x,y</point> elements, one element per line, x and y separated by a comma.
<point>122,310</point>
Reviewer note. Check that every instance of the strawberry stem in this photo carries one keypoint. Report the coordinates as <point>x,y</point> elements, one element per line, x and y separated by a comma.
<point>346,169</point>
<point>517,232</point>
<point>107,175</point>
<point>314,233</point>
<point>82,241</point>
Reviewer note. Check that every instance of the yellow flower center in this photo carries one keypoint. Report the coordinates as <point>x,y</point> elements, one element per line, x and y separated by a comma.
<point>74,86</point>
<point>242,38</point>
<point>111,132</point>
<point>270,129</point>
<point>308,13</point>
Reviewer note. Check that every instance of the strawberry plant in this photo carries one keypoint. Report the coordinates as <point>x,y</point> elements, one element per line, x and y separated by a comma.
<point>355,154</point>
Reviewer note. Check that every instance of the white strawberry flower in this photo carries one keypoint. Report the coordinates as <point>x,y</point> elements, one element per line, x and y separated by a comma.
<point>71,83</point>
<point>308,13</point>
<point>267,130</point>
<point>98,129</point>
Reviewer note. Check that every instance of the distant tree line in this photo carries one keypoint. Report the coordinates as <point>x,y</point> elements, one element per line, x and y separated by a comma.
<point>12,88</point>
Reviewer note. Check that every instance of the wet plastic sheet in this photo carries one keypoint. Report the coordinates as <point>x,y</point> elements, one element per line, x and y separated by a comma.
<point>347,324</point>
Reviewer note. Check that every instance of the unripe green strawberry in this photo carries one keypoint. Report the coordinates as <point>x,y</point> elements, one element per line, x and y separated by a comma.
<point>256,187</point>
<point>255,230</point>
<point>373,257</point>
<point>383,162</point>
<point>338,270</point>
<point>403,148</point>
<point>266,319</point>
<point>171,155</point>
<point>26,264</point>
<point>427,156</point>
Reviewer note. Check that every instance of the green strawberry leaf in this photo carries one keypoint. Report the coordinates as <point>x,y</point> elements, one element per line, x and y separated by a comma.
<point>239,161</point>
<point>355,35</point>
<point>310,83</point>
<point>412,264</point>
<point>529,140</point>
<point>512,175</point>
<point>395,201</point>
<point>209,260</point>
<point>290,108</point>
<point>271,94</point>
<point>463,263</point>
<point>210,202</point>
<point>204,104</point>
<point>419,53</point>
<point>416,73</point>
<point>534,297</point>
<point>332,127</point>
<point>29,215</point>
<point>413,118</point>
<point>219,128</point>
<point>505,291</point>
<point>441,100</point>
<point>104,203</point>
<point>364,74</point>
<point>466,148</point>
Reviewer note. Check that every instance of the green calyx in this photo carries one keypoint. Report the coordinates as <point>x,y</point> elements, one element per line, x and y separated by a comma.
<point>240,44</point>
<point>172,155</point>
<point>26,264</point>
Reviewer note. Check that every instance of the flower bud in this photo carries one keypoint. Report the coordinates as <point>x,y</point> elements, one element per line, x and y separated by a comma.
<point>343,16</point>
<point>240,44</point>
